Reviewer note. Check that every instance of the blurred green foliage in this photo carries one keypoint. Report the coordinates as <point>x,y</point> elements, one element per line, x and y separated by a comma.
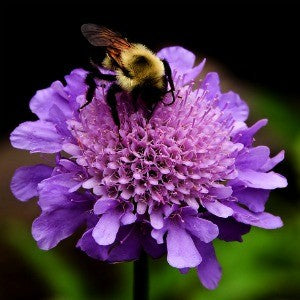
<point>265,266</point>
<point>61,276</point>
<point>284,122</point>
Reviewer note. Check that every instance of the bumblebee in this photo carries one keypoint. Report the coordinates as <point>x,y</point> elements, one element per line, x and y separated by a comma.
<point>138,71</point>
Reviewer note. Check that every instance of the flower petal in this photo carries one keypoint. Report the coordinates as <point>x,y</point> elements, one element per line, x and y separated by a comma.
<point>182,252</point>
<point>234,105</point>
<point>72,149</point>
<point>106,230</point>
<point>263,220</point>
<point>229,229</point>
<point>254,199</point>
<point>193,73</point>
<point>253,158</point>
<point>209,270</point>
<point>43,100</point>
<point>205,230</point>
<point>156,219</point>
<point>184,270</point>
<point>211,85</point>
<point>128,218</point>
<point>58,117</point>
<point>91,248</point>
<point>260,180</point>
<point>149,244</point>
<point>221,192</point>
<point>245,136</point>
<point>179,58</point>
<point>38,136</point>
<point>68,180</point>
<point>272,162</point>
<point>103,205</point>
<point>217,208</point>
<point>52,197</point>
<point>76,85</point>
<point>26,179</point>
<point>127,246</point>
<point>90,183</point>
<point>53,226</point>
<point>158,235</point>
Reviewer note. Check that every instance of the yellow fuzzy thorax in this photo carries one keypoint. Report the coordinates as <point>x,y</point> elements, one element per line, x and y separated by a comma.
<point>152,68</point>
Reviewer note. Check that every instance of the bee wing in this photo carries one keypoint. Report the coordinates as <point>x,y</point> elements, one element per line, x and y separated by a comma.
<point>103,37</point>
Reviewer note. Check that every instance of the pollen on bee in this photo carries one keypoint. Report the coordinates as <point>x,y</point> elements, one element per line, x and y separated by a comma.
<point>107,63</point>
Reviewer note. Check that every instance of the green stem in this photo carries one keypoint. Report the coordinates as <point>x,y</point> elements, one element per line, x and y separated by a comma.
<point>141,278</point>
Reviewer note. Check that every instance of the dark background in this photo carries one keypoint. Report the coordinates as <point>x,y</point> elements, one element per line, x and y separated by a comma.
<point>255,48</point>
<point>258,42</point>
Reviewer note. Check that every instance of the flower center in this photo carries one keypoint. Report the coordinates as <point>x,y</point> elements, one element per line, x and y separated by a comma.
<point>182,152</point>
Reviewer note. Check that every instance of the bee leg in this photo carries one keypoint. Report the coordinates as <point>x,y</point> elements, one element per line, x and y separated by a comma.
<point>90,82</point>
<point>148,111</point>
<point>94,69</point>
<point>112,102</point>
<point>168,72</point>
<point>135,96</point>
<point>94,73</point>
<point>151,112</point>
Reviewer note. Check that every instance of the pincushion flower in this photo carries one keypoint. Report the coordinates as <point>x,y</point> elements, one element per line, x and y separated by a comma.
<point>169,185</point>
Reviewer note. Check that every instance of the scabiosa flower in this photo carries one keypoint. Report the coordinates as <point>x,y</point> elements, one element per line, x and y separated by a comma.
<point>168,185</point>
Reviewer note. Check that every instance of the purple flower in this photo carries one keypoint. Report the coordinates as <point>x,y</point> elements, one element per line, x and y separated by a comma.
<point>170,185</point>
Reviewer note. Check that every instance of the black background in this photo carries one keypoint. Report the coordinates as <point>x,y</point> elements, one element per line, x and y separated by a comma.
<point>42,41</point>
